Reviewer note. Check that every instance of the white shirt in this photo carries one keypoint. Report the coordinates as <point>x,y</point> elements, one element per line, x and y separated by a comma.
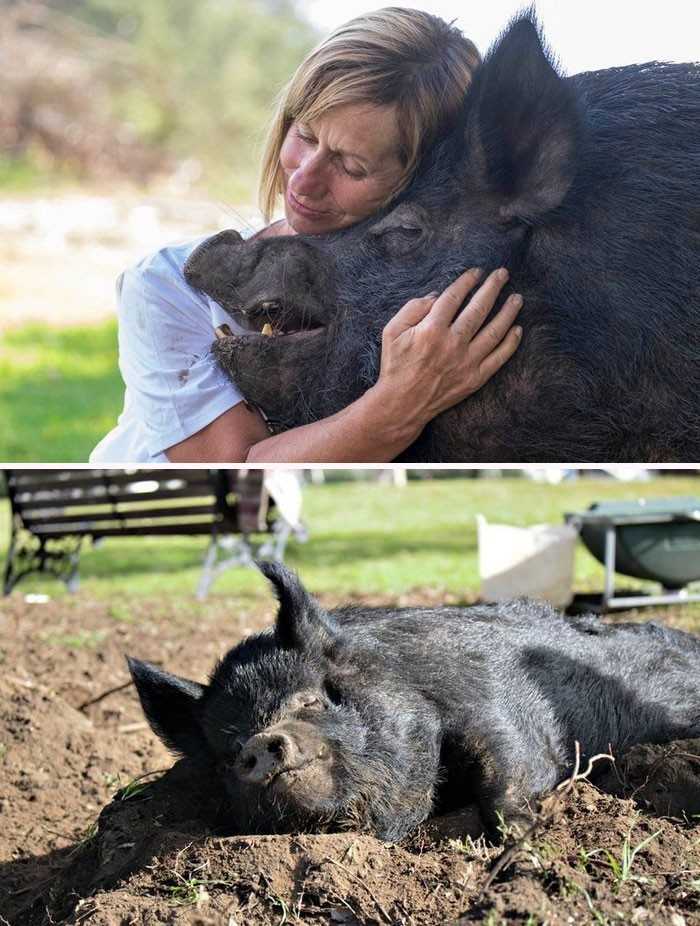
<point>174,387</point>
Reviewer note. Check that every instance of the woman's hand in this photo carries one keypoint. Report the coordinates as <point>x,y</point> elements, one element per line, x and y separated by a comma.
<point>433,357</point>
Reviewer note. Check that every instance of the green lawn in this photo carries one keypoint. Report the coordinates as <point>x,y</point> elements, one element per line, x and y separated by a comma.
<point>60,392</point>
<point>364,538</point>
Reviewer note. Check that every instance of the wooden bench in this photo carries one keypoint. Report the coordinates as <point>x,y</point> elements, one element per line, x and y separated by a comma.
<point>55,510</point>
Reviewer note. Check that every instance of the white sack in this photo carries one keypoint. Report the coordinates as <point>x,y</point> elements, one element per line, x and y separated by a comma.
<point>535,562</point>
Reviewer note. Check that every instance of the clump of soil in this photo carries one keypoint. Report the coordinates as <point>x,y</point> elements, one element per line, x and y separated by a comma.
<point>88,836</point>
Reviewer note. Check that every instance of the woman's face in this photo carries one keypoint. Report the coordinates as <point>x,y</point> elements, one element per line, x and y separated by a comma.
<point>340,168</point>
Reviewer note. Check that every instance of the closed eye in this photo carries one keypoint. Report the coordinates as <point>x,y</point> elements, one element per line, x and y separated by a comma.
<point>355,174</point>
<point>404,231</point>
<point>398,240</point>
<point>228,759</point>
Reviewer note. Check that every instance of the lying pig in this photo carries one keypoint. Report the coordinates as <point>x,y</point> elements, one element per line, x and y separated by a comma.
<point>378,718</point>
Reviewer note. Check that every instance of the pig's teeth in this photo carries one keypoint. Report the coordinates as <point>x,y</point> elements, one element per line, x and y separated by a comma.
<point>270,305</point>
<point>267,330</point>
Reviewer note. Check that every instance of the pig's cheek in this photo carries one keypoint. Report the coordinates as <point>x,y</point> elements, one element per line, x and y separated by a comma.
<point>248,364</point>
<point>266,369</point>
<point>309,787</point>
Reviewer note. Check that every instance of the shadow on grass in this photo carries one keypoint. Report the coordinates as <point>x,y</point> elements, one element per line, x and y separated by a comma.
<point>60,392</point>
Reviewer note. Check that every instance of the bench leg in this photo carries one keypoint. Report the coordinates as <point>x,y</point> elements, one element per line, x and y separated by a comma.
<point>28,554</point>
<point>235,551</point>
<point>282,530</point>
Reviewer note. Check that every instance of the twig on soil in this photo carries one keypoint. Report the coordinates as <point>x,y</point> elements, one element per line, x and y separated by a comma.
<point>105,694</point>
<point>551,806</point>
<point>132,727</point>
<point>565,786</point>
<point>354,878</point>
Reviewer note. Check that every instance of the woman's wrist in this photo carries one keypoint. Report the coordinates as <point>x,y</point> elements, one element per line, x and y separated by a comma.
<point>386,413</point>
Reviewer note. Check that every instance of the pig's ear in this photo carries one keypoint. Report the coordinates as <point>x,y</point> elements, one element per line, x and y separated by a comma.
<point>170,704</point>
<point>523,126</point>
<point>301,622</point>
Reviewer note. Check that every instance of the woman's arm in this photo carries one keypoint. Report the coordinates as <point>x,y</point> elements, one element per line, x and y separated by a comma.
<point>433,356</point>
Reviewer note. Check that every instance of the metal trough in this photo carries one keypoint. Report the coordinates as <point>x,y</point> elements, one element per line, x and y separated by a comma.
<point>656,539</point>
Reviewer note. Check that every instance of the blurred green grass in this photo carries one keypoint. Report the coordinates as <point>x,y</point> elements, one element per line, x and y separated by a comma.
<point>60,392</point>
<point>365,538</point>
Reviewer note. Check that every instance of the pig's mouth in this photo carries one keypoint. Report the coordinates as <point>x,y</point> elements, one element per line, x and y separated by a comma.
<point>274,318</point>
<point>312,767</point>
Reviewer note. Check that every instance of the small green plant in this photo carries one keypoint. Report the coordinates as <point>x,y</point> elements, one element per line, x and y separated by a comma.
<point>191,890</point>
<point>88,833</point>
<point>598,917</point>
<point>472,848</point>
<point>137,785</point>
<point>622,868</point>
<point>277,901</point>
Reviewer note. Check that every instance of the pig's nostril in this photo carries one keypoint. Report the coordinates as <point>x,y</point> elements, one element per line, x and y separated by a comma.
<point>276,747</point>
<point>249,763</point>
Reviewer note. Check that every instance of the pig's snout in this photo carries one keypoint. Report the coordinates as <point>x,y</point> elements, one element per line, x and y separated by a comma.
<point>264,756</point>
<point>268,754</point>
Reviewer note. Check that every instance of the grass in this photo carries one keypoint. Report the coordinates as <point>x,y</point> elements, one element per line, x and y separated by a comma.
<point>193,890</point>
<point>60,392</point>
<point>364,538</point>
<point>621,868</point>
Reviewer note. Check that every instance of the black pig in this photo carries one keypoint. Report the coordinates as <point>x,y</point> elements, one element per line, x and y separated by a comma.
<point>588,189</point>
<point>377,718</point>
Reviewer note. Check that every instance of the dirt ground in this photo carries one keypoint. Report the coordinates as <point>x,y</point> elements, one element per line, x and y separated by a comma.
<point>626,851</point>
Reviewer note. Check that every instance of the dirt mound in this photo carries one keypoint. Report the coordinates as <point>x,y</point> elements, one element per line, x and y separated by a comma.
<point>71,735</point>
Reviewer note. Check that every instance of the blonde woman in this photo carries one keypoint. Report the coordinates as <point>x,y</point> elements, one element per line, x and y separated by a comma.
<point>349,131</point>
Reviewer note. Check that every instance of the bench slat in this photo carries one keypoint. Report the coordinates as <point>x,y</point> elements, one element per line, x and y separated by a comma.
<point>125,518</point>
<point>63,500</point>
<point>180,530</point>
<point>67,479</point>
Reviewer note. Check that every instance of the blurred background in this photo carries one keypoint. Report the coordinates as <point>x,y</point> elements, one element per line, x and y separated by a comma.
<point>388,535</point>
<point>126,125</point>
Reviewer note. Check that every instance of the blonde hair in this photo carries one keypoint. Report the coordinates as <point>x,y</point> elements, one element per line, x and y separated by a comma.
<point>394,56</point>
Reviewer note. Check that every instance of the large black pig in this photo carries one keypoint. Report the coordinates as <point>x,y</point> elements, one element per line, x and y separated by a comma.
<point>588,190</point>
<point>376,718</point>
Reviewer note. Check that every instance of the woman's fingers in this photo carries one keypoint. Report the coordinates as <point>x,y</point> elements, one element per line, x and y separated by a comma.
<point>413,312</point>
<point>481,303</point>
<point>497,357</point>
<point>449,302</point>
<point>491,335</point>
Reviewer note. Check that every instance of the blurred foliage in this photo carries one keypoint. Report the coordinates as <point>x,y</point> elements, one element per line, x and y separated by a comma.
<point>132,89</point>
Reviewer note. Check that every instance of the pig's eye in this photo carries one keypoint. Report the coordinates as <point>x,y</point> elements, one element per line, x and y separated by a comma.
<point>399,240</point>
<point>228,761</point>
<point>332,693</point>
<point>311,701</point>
